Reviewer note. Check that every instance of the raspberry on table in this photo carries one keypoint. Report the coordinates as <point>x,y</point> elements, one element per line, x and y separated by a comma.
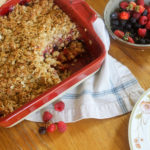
<point>59,106</point>
<point>51,128</point>
<point>61,126</point>
<point>47,116</point>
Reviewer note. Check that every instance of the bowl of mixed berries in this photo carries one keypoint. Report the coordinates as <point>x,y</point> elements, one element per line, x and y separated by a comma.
<point>129,22</point>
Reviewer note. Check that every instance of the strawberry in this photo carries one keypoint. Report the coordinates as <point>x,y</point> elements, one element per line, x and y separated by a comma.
<point>59,106</point>
<point>124,4</point>
<point>136,15</point>
<point>142,32</point>
<point>130,39</point>
<point>139,8</point>
<point>131,6</point>
<point>61,126</point>
<point>143,20</point>
<point>124,15</point>
<point>140,2</point>
<point>47,116</point>
<point>51,128</point>
<point>148,25</point>
<point>119,33</point>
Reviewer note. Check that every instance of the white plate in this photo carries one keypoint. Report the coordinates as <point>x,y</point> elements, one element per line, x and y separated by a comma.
<point>139,124</point>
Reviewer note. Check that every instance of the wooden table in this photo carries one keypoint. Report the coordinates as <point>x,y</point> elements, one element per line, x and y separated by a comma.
<point>109,134</point>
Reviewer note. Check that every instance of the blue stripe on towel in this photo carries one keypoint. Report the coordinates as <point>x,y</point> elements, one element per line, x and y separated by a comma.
<point>119,98</point>
<point>114,90</point>
<point>102,93</point>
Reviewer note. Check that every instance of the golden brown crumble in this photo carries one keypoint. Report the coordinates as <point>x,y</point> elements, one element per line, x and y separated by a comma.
<point>32,53</point>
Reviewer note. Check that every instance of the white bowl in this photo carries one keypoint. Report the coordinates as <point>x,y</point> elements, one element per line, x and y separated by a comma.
<point>110,7</point>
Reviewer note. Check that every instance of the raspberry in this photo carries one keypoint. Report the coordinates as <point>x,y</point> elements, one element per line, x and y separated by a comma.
<point>140,2</point>
<point>61,126</point>
<point>131,6</point>
<point>136,15</point>
<point>124,15</point>
<point>119,33</point>
<point>47,116</point>
<point>143,20</point>
<point>51,128</point>
<point>142,32</point>
<point>148,25</point>
<point>148,16</point>
<point>59,106</point>
<point>124,5</point>
<point>148,9</point>
<point>139,8</point>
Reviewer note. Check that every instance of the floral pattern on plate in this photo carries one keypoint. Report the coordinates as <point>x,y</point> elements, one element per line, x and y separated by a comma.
<point>139,124</point>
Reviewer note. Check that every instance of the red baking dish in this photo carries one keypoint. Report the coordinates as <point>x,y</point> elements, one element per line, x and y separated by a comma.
<point>81,13</point>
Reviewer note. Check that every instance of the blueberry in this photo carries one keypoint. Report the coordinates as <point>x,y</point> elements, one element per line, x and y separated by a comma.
<point>132,30</point>
<point>145,13</point>
<point>115,22</point>
<point>121,9</point>
<point>114,15</point>
<point>113,28</point>
<point>42,130</point>
<point>136,25</point>
<point>128,25</point>
<point>136,39</point>
<point>121,28</point>
<point>133,20</point>
<point>142,41</point>
<point>123,22</point>
<point>148,41</point>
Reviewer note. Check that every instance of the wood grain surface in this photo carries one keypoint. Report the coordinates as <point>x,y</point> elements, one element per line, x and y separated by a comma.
<point>90,134</point>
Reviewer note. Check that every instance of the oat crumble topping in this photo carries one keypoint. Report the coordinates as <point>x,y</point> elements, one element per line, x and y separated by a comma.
<point>33,51</point>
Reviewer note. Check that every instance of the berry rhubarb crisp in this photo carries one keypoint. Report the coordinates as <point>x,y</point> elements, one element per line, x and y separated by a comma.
<point>36,42</point>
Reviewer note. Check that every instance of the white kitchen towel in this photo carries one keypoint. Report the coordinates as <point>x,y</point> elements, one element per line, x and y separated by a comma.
<point>112,91</point>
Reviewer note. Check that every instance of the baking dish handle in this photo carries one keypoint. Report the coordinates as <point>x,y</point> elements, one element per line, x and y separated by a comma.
<point>86,12</point>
